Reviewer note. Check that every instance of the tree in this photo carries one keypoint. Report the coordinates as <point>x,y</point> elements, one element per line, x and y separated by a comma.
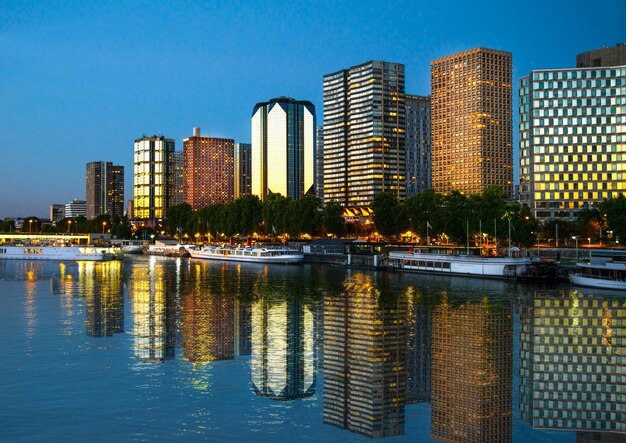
<point>181,219</point>
<point>250,213</point>
<point>305,216</point>
<point>386,214</point>
<point>7,226</point>
<point>333,221</point>
<point>275,209</point>
<point>421,209</point>
<point>615,216</point>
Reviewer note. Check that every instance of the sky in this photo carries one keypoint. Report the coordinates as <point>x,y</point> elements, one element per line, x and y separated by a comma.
<point>81,80</point>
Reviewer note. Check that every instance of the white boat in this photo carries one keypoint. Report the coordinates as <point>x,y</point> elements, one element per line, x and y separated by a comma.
<point>459,261</point>
<point>167,248</point>
<point>606,274</point>
<point>132,249</point>
<point>33,252</point>
<point>247,254</point>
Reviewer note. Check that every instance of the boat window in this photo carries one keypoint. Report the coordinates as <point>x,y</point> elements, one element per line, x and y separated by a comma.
<point>429,264</point>
<point>422,263</point>
<point>446,265</point>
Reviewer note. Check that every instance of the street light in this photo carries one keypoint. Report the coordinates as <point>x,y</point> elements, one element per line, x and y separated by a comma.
<point>69,224</point>
<point>575,237</point>
<point>30,226</point>
<point>103,225</point>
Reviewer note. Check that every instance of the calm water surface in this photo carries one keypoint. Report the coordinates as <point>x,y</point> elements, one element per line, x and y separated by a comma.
<point>183,350</point>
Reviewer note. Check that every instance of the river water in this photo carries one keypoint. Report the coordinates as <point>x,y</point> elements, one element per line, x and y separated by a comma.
<point>184,350</point>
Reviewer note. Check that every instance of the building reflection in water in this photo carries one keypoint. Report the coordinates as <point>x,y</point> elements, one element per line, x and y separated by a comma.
<point>208,320</point>
<point>153,289</point>
<point>418,351</point>
<point>365,337</point>
<point>573,363</point>
<point>283,359</point>
<point>243,327</point>
<point>104,295</point>
<point>472,369</point>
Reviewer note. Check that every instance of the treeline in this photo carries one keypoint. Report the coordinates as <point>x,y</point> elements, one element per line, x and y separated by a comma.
<point>276,216</point>
<point>116,226</point>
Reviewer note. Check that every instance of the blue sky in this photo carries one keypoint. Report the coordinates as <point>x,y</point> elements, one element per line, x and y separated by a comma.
<point>79,81</point>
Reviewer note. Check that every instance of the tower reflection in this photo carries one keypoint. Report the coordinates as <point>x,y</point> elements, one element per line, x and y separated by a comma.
<point>153,289</point>
<point>419,325</point>
<point>364,359</point>
<point>283,363</point>
<point>573,363</point>
<point>104,296</point>
<point>472,366</point>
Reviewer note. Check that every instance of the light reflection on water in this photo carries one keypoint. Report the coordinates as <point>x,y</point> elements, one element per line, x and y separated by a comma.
<point>180,349</point>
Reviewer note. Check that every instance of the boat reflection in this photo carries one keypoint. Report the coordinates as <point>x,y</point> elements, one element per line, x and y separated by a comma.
<point>573,362</point>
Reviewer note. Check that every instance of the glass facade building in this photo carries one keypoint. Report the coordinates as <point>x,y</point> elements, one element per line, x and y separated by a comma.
<point>573,361</point>
<point>364,133</point>
<point>104,189</point>
<point>418,172</point>
<point>472,121</point>
<point>283,147</point>
<point>153,178</point>
<point>572,126</point>
<point>209,170</point>
<point>243,169</point>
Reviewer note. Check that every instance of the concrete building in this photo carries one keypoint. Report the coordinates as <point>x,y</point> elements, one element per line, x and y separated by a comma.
<point>319,163</point>
<point>364,133</point>
<point>209,170</point>
<point>243,169</point>
<point>104,189</point>
<point>613,56</point>
<point>472,121</point>
<point>76,208</point>
<point>572,139</point>
<point>179,183</point>
<point>153,178</point>
<point>283,147</point>
<point>57,212</point>
<point>418,171</point>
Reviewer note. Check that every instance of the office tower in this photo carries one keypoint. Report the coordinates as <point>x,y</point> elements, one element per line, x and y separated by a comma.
<point>283,360</point>
<point>603,57</point>
<point>419,323</point>
<point>472,372</point>
<point>103,289</point>
<point>104,189</point>
<point>209,170</point>
<point>418,176</point>
<point>572,133</point>
<point>57,212</point>
<point>208,321</point>
<point>573,361</point>
<point>472,121</point>
<point>319,163</point>
<point>364,133</point>
<point>153,178</point>
<point>179,182</point>
<point>154,294</point>
<point>283,147</point>
<point>76,208</point>
<point>243,169</point>
<point>364,358</point>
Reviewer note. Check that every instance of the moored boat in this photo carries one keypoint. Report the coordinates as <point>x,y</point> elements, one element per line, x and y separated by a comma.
<point>167,248</point>
<point>247,254</point>
<point>459,261</point>
<point>606,274</point>
<point>70,253</point>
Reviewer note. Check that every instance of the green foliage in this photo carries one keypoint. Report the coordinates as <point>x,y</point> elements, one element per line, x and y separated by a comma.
<point>181,219</point>
<point>332,219</point>
<point>7,226</point>
<point>387,213</point>
<point>275,213</point>
<point>614,211</point>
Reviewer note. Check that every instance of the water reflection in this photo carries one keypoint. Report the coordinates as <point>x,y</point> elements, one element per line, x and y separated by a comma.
<point>472,366</point>
<point>365,337</point>
<point>419,323</point>
<point>573,362</point>
<point>283,360</point>
<point>154,293</point>
<point>102,286</point>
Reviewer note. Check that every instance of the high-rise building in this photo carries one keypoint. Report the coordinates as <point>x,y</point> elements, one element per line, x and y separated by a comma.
<point>243,169</point>
<point>153,178</point>
<point>603,57</point>
<point>472,121</point>
<point>364,133</point>
<point>573,362</point>
<point>209,170</point>
<point>104,189</point>
<point>472,372</point>
<point>76,208</point>
<point>418,176</point>
<point>57,212</point>
<point>179,182</point>
<point>364,359</point>
<point>283,147</point>
<point>319,163</point>
<point>572,139</point>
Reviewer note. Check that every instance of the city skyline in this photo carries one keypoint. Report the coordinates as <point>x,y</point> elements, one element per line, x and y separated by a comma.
<point>80,84</point>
